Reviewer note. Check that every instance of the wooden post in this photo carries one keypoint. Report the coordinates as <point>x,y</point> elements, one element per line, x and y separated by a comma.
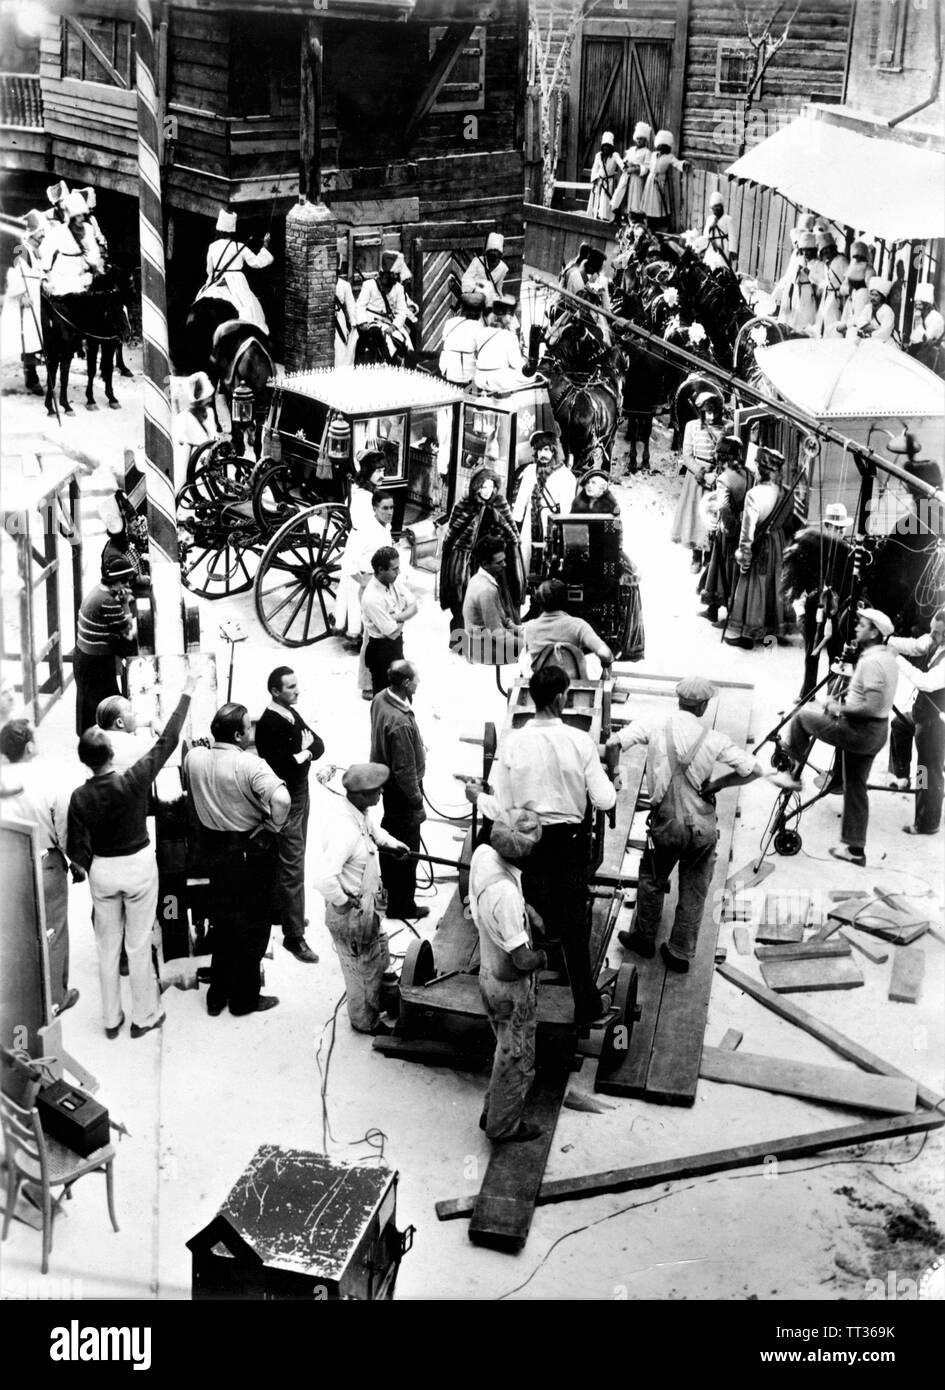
<point>310,112</point>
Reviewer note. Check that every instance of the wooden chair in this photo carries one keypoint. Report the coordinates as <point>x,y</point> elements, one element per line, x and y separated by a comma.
<point>33,1156</point>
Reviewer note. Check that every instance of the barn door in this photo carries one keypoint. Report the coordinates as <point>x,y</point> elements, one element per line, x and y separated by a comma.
<point>440,273</point>
<point>623,81</point>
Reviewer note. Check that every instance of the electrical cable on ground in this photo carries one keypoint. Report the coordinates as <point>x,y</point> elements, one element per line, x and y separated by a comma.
<point>722,1177</point>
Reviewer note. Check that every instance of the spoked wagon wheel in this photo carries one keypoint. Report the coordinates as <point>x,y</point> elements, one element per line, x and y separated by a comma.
<point>214,456</point>
<point>299,575</point>
<point>275,494</point>
<point>219,541</point>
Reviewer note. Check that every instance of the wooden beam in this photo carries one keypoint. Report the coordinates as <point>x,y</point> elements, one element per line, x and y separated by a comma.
<point>310,112</point>
<point>448,50</point>
<point>908,969</point>
<point>889,1095</point>
<point>615,1180</point>
<point>803,950</point>
<point>844,1046</point>
<point>90,43</point>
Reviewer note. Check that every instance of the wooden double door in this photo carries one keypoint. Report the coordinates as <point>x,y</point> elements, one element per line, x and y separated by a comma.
<point>623,81</point>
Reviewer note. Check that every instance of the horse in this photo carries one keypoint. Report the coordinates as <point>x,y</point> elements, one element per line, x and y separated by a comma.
<point>901,575</point>
<point>714,298</point>
<point>240,356</point>
<point>756,332</point>
<point>588,414</point>
<point>66,323</point>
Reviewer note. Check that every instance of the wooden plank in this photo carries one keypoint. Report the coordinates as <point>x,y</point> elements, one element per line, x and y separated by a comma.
<point>614,1180</point>
<point>887,1095</point>
<point>434,1051</point>
<point>673,1073</point>
<point>780,933</point>
<point>503,1210</point>
<point>874,953</point>
<point>742,939</point>
<point>905,984</point>
<point>844,1046</point>
<point>731,1040</point>
<point>803,950</point>
<point>811,976</point>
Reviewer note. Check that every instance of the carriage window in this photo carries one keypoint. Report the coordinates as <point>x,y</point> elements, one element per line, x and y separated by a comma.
<point>385,433</point>
<point>303,417</point>
<point>487,438</point>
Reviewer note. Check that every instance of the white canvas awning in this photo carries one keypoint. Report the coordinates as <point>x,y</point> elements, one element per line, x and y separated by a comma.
<point>890,190</point>
<point>843,378</point>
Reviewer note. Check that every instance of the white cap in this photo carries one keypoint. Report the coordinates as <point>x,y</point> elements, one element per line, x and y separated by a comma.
<point>226,221</point>
<point>881,286</point>
<point>925,293</point>
<point>664,137</point>
<point>495,241</point>
<point>607,138</point>
<point>717,200</point>
<point>880,621</point>
<point>74,205</point>
<point>642,131</point>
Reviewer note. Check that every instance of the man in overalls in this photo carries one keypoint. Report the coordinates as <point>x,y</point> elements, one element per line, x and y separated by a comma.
<point>681,754</point>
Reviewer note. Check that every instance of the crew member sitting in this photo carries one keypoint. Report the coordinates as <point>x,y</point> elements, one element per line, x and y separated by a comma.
<point>508,974</point>
<point>857,724</point>
<point>482,283</point>
<point>682,825</point>
<point>488,614</point>
<point>499,360</point>
<point>554,625</point>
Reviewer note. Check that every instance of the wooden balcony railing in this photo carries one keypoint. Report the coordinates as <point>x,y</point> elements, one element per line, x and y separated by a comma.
<point>21,102</point>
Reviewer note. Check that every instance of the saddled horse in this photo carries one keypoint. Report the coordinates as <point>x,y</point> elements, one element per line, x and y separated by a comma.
<point>94,320</point>
<point>588,412</point>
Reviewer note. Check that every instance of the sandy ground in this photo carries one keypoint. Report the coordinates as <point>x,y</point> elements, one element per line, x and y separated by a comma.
<point>200,1095</point>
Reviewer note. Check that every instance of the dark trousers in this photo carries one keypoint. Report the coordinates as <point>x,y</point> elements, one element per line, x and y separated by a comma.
<point>378,655</point>
<point>859,742</point>
<point>695,860</point>
<point>399,876</point>
<point>290,843</point>
<point>554,882</point>
<point>96,678</point>
<point>929,737</point>
<point>242,883</point>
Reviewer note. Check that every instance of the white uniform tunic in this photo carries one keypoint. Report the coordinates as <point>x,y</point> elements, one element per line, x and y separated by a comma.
<point>718,230</point>
<point>629,190</point>
<point>458,351</point>
<point>604,176</point>
<point>499,360</point>
<point>69,259</point>
<point>23,280</point>
<point>227,259</point>
<point>880,321</point>
<point>346,333</point>
<point>480,286</point>
<point>373,308</point>
<point>831,305</point>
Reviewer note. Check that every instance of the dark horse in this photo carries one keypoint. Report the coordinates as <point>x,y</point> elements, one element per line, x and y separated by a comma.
<point>232,352</point>
<point>94,318</point>
<point>588,412</point>
<point>900,576</point>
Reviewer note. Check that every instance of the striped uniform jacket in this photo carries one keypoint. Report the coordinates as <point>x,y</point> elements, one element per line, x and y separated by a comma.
<point>105,624</point>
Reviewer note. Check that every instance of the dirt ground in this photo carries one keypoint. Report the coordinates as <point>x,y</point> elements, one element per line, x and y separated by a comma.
<point>200,1095</point>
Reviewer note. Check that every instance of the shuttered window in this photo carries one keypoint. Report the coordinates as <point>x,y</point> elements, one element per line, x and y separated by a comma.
<point>465,85</point>
<point>887,33</point>
<point>733,70</point>
<point>99,50</point>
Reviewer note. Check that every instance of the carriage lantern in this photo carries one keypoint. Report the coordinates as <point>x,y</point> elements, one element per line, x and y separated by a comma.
<point>338,451</point>
<point>241,408</point>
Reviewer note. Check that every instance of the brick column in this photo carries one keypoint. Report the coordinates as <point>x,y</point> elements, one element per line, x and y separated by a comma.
<point>310,273</point>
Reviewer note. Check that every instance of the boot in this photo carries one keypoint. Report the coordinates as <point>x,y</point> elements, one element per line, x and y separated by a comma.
<point>31,377</point>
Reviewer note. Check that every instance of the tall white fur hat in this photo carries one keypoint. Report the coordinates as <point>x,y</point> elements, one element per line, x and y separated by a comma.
<point>226,222</point>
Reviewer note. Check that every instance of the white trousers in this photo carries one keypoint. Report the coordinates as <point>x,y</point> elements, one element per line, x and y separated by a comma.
<point>124,905</point>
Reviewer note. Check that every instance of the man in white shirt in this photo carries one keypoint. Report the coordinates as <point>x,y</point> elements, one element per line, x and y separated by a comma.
<point>40,795</point>
<point>555,769</point>
<point>499,360</point>
<point>115,716</point>
<point>508,973</point>
<point>386,606</point>
<point>483,280</point>
<point>925,724</point>
<point>349,880</point>
<point>681,753</point>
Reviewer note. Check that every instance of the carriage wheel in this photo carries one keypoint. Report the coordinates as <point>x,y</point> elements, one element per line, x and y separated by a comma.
<point>219,540</point>
<point>299,574</point>
<point>616,1040</point>
<point>787,842</point>
<point>274,499</point>
<point>214,455</point>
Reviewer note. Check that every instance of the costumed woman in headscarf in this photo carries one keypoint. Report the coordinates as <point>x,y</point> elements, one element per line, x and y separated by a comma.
<point>482,512</point>
<point>759,608</point>
<point>594,494</point>
<point>698,464</point>
<point>371,474</point>
<point>731,487</point>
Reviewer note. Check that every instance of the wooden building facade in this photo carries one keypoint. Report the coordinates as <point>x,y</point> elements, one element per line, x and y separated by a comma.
<point>405,118</point>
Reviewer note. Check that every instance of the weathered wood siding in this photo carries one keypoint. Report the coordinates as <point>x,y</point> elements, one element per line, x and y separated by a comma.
<point>888,91</point>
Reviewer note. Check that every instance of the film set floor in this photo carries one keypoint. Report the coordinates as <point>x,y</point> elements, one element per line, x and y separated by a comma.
<point>199,1096</point>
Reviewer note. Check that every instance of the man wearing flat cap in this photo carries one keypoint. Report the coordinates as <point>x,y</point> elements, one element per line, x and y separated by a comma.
<point>508,974</point>
<point>105,633</point>
<point>856,724</point>
<point>482,283</point>
<point>349,879</point>
<point>682,826</point>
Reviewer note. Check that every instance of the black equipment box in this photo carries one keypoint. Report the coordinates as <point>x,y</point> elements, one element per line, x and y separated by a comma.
<point>72,1117</point>
<point>298,1226</point>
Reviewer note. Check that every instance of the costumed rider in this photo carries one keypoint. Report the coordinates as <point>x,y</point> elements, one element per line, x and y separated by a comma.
<point>856,724</point>
<point>682,828</point>
<point>484,277</point>
<point>605,173</point>
<point>69,255</point>
<point>636,161</point>
<point>922,664</point>
<point>875,319</point>
<point>546,488</point>
<point>349,879</point>
<point>56,195</point>
<point>91,201</point>
<point>499,361</point>
<point>345,316</point>
<point>228,259</point>
<point>457,361</point>
<point>382,307</point>
<point>23,281</point>
<point>508,975</point>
